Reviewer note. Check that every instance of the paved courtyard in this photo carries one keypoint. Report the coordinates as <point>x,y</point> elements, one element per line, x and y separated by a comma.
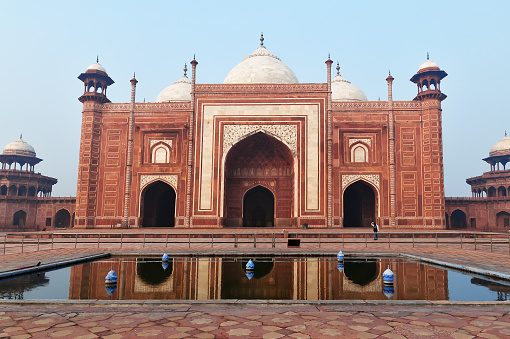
<point>260,319</point>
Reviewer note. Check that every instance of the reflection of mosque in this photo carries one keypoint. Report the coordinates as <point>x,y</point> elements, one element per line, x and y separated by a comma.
<point>277,279</point>
<point>502,291</point>
<point>16,288</point>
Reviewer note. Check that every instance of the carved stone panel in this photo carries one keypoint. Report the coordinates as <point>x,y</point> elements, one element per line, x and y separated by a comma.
<point>170,179</point>
<point>349,178</point>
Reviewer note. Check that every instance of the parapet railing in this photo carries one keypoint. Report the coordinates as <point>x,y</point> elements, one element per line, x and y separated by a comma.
<point>11,243</point>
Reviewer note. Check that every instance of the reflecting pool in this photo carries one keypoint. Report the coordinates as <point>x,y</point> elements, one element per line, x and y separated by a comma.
<point>304,278</point>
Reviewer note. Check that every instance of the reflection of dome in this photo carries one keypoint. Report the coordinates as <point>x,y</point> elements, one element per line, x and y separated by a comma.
<point>177,92</point>
<point>502,147</point>
<point>428,64</point>
<point>343,90</point>
<point>19,147</point>
<point>261,67</point>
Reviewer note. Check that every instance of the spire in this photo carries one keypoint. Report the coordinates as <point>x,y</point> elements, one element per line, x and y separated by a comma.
<point>21,136</point>
<point>427,55</point>
<point>97,58</point>
<point>505,134</point>
<point>337,68</point>
<point>185,69</point>
<point>261,39</point>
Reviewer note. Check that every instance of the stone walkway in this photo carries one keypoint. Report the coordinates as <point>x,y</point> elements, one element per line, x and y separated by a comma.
<point>261,319</point>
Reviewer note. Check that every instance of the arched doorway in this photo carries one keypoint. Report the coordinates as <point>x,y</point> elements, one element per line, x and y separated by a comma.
<point>19,219</point>
<point>62,219</point>
<point>258,207</point>
<point>158,205</point>
<point>266,164</point>
<point>359,205</point>
<point>458,219</point>
<point>361,272</point>
<point>503,219</point>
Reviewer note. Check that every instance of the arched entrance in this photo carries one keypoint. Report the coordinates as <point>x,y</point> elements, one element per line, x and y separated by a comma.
<point>258,207</point>
<point>158,205</point>
<point>361,272</point>
<point>458,219</point>
<point>503,219</point>
<point>259,183</point>
<point>62,219</point>
<point>359,205</point>
<point>19,219</point>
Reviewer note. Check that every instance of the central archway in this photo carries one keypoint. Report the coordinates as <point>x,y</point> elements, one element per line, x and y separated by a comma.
<point>258,207</point>
<point>158,205</point>
<point>259,183</point>
<point>359,205</point>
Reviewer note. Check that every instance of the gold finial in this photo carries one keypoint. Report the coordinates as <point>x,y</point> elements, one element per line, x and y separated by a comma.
<point>185,69</point>
<point>337,68</point>
<point>427,55</point>
<point>261,39</point>
<point>97,59</point>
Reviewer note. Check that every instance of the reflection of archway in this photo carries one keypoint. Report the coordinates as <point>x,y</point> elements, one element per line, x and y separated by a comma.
<point>158,205</point>
<point>263,266</point>
<point>152,272</point>
<point>259,161</point>
<point>62,219</point>
<point>19,219</point>
<point>361,272</point>
<point>258,207</point>
<point>458,219</point>
<point>359,205</point>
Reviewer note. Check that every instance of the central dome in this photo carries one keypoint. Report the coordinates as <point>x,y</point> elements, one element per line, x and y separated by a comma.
<point>502,147</point>
<point>19,147</point>
<point>261,67</point>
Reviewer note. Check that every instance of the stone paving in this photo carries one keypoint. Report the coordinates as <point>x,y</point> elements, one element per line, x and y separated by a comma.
<point>260,319</point>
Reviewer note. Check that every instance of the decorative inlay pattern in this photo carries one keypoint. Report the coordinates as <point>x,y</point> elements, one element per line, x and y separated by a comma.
<point>372,178</point>
<point>149,106</point>
<point>285,133</point>
<point>170,179</point>
<point>365,141</point>
<point>166,142</point>
<point>243,88</point>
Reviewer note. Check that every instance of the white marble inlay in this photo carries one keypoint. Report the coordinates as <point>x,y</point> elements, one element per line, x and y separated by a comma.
<point>170,179</point>
<point>349,178</point>
<point>232,134</point>
<point>166,142</point>
<point>365,141</point>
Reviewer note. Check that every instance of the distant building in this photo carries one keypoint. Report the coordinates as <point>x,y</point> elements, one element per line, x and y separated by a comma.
<point>261,150</point>
<point>25,196</point>
<point>489,206</point>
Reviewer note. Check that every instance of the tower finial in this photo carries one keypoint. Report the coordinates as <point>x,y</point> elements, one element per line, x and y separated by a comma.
<point>337,68</point>
<point>185,69</point>
<point>505,134</point>
<point>389,72</point>
<point>427,55</point>
<point>97,58</point>
<point>329,55</point>
<point>21,136</point>
<point>193,56</point>
<point>262,39</point>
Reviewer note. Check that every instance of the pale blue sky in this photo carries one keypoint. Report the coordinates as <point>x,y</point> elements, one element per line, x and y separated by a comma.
<point>47,44</point>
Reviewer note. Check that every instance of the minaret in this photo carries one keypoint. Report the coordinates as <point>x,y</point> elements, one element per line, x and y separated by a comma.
<point>428,79</point>
<point>329,132</point>
<point>95,80</point>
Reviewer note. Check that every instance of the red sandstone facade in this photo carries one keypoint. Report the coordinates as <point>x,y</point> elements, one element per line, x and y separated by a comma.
<point>261,155</point>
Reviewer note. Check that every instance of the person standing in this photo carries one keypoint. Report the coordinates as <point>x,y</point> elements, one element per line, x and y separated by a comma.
<point>376,229</point>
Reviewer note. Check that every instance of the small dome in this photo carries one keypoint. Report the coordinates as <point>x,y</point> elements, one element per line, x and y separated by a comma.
<point>261,67</point>
<point>19,147</point>
<point>179,91</point>
<point>343,90</point>
<point>428,64</point>
<point>96,67</point>
<point>502,147</point>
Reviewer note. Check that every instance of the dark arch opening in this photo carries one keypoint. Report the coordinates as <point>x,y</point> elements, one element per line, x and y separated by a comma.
<point>62,219</point>
<point>359,205</point>
<point>19,219</point>
<point>158,205</point>
<point>3,190</point>
<point>31,191</point>
<point>361,272</point>
<point>258,207</point>
<point>503,219</point>
<point>152,272</point>
<point>458,219</point>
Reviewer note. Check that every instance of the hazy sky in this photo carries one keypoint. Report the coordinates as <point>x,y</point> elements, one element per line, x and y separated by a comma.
<point>45,45</point>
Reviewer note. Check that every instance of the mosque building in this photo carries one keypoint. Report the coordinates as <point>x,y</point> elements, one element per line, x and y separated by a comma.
<point>261,149</point>
<point>26,203</point>
<point>489,206</point>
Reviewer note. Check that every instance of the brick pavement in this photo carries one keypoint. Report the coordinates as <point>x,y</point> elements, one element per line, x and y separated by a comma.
<point>261,319</point>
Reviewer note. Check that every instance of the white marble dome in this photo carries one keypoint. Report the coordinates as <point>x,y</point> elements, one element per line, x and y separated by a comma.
<point>428,64</point>
<point>96,67</point>
<point>261,67</point>
<point>343,90</point>
<point>502,147</point>
<point>19,147</point>
<point>179,91</point>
